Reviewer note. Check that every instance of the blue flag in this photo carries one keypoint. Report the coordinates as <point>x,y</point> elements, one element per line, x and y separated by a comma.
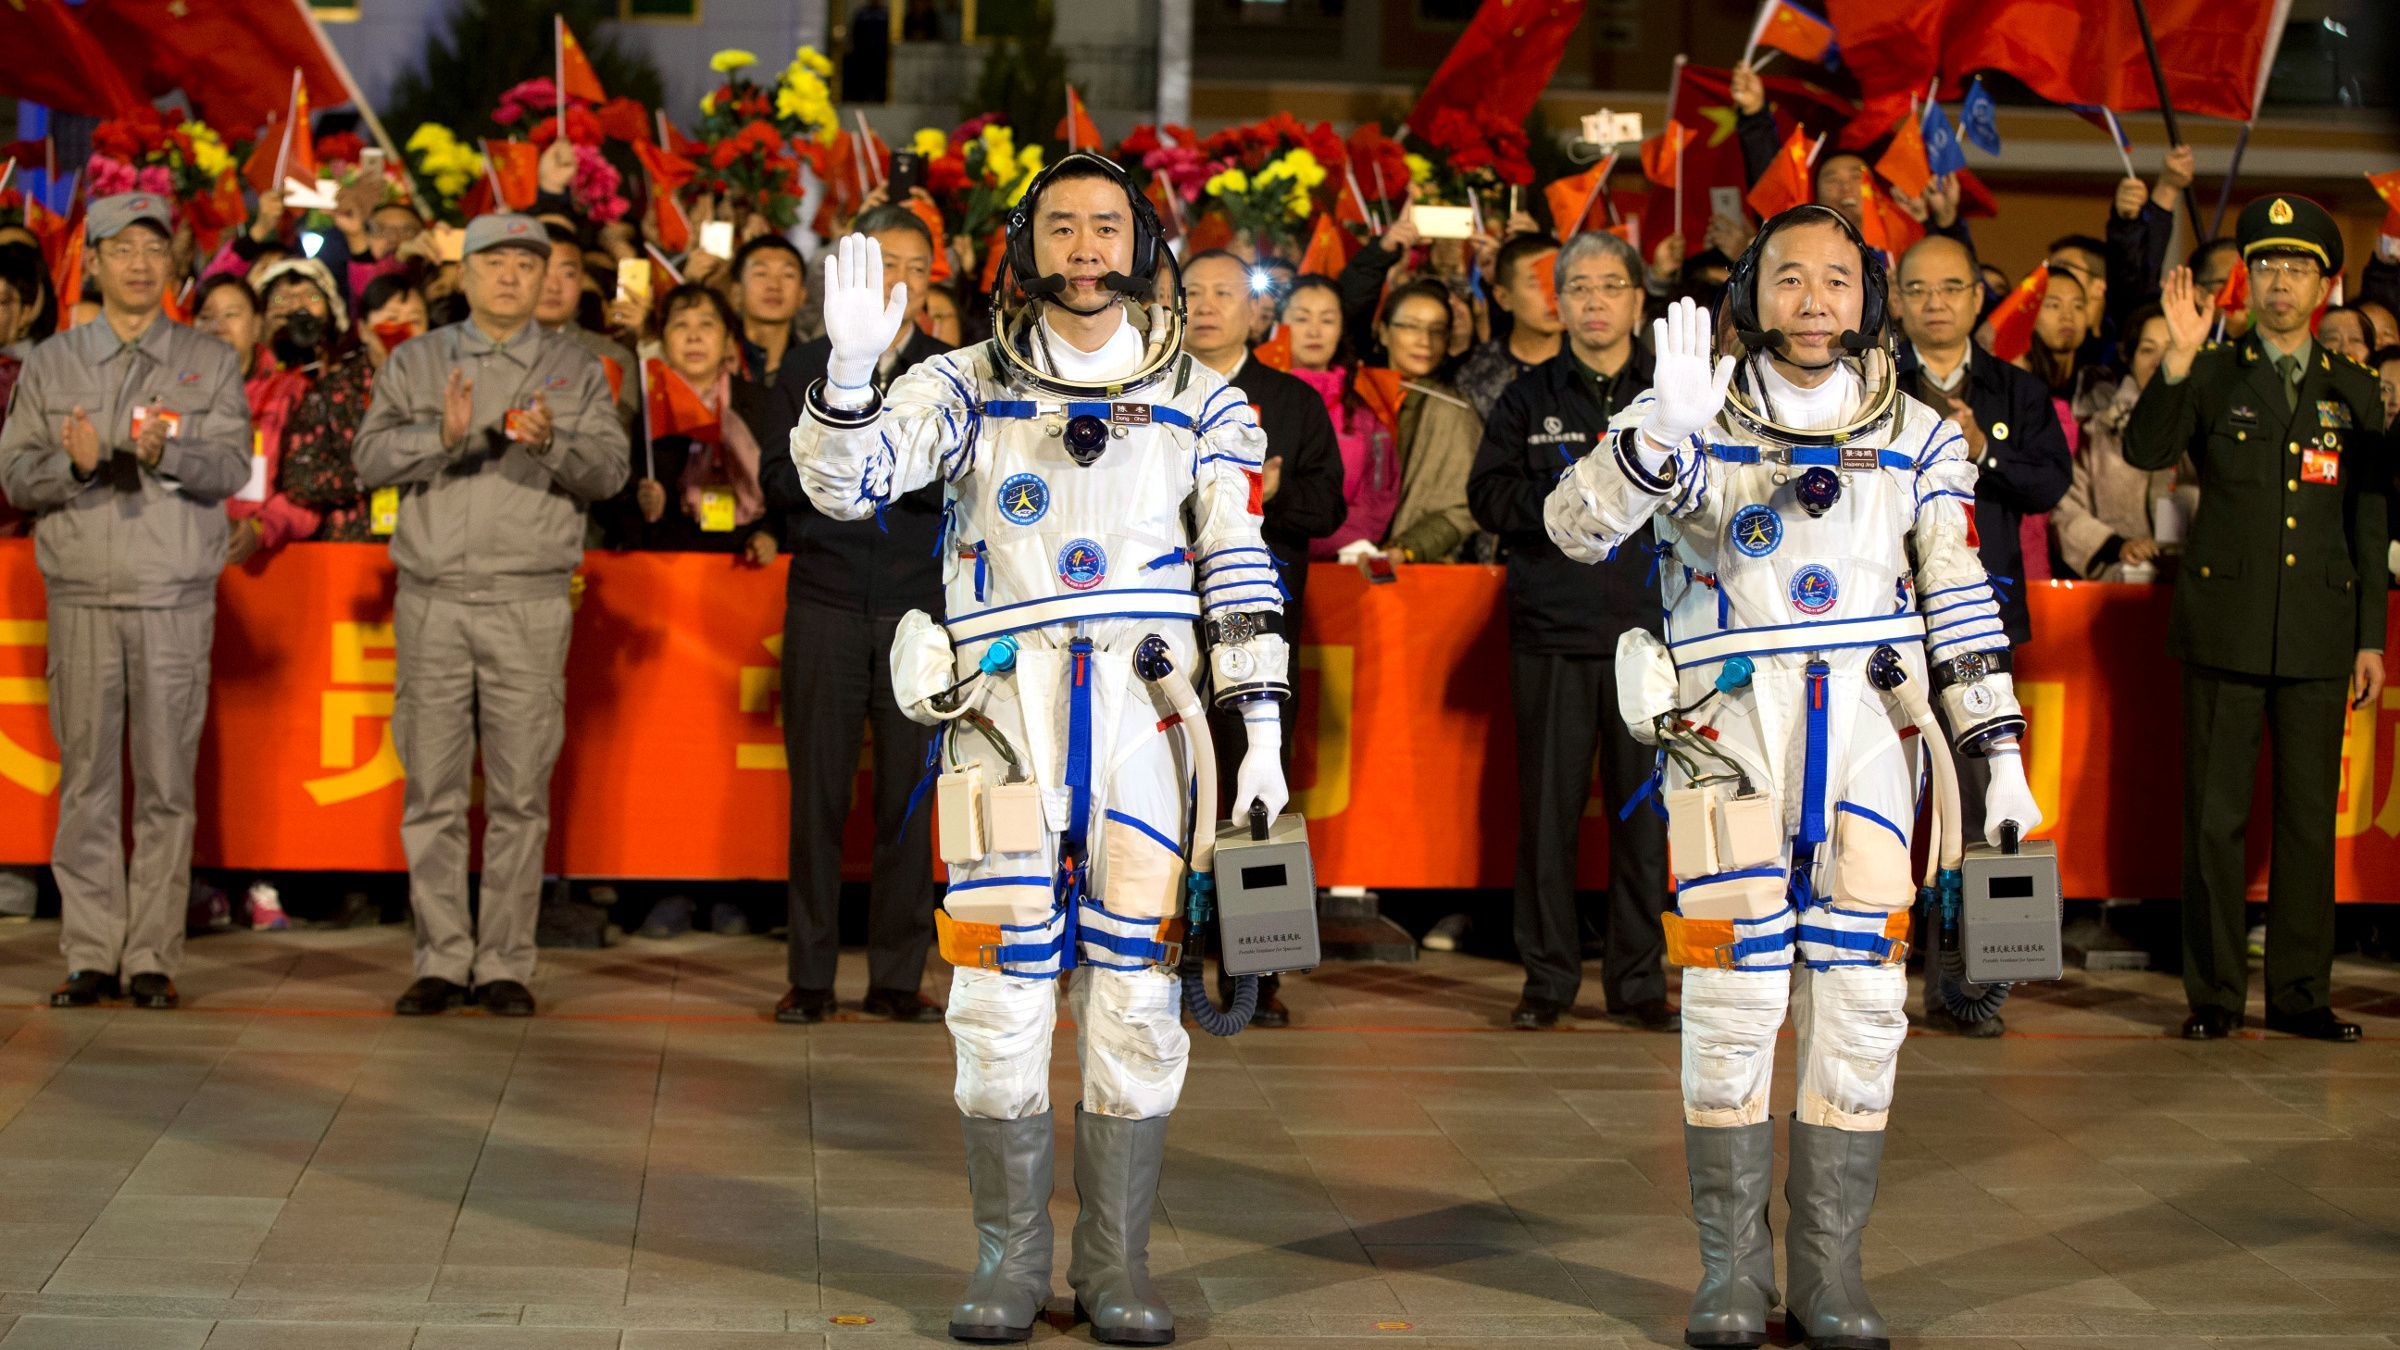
<point>1978,121</point>
<point>1942,155</point>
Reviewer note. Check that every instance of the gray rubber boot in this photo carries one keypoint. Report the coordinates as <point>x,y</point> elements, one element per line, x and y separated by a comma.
<point>1116,1178</point>
<point>1009,1179</point>
<point>1733,1171</point>
<point>1831,1188</point>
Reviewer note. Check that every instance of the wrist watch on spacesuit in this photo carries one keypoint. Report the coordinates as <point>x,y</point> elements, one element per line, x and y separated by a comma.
<point>1236,671</point>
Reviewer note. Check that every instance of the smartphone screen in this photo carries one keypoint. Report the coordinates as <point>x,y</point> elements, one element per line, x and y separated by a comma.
<point>633,280</point>
<point>716,239</point>
<point>1379,568</point>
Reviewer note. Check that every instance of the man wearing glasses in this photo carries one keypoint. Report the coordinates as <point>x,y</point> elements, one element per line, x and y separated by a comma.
<point>2279,607</point>
<point>1563,622</point>
<point>126,436</point>
<point>2023,467</point>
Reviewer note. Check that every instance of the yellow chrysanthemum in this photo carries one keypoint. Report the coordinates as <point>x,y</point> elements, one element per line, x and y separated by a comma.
<point>1228,182</point>
<point>1029,160</point>
<point>432,137</point>
<point>708,104</point>
<point>931,142</point>
<point>208,152</point>
<point>789,104</point>
<point>1419,168</point>
<point>815,61</point>
<point>730,60</point>
<point>999,149</point>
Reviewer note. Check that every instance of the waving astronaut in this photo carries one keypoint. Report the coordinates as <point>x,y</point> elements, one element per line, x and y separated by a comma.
<point>1102,514</point>
<point>1816,562</point>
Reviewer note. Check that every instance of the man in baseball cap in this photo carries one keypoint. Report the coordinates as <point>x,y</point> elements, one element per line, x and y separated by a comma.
<point>485,444</point>
<point>127,435</point>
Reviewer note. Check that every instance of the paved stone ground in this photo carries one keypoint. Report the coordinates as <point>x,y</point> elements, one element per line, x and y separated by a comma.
<point>653,1165</point>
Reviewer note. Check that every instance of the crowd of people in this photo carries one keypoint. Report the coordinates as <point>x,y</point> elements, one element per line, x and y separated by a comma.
<point>1413,399</point>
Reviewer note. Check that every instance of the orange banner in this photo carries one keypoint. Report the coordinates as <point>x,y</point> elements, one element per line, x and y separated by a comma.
<point>1404,762</point>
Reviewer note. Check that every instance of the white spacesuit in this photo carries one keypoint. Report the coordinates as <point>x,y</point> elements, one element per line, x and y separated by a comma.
<point>1817,518</point>
<point>1096,499</point>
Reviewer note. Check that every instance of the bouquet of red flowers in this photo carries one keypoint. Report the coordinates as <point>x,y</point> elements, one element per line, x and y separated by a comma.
<point>598,189</point>
<point>188,161</point>
<point>753,166</point>
<point>1472,153</point>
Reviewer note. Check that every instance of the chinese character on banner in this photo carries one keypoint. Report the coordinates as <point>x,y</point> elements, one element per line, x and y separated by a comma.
<point>762,692</point>
<point>341,710</point>
<point>27,768</point>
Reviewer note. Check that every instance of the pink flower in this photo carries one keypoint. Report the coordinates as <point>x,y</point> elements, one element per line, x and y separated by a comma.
<point>596,186</point>
<point>105,177</point>
<point>155,179</point>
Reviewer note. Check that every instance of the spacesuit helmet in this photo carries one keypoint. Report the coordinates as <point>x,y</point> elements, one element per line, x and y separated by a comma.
<point>1869,347</point>
<point>1024,288</point>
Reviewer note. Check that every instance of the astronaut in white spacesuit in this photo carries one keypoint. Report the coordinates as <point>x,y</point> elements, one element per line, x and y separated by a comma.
<point>1103,509</point>
<point>1816,559</point>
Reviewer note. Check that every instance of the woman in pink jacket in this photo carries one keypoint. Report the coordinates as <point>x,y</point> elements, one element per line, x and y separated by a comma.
<point>263,519</point>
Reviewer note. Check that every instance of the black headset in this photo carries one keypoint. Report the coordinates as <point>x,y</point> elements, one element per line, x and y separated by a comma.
<point>1741,286</point>
<point>1148,236</point>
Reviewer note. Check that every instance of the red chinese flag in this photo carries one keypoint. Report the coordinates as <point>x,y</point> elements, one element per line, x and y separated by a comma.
<point>2012,320</point>
<point>259,170</point>
<point>667,218</point>
<point>1712,159</point>
<point>59,64</point>
<point>1662,154</point>
<point>1212,230</point>
<point>1904,165</point>
<point>1329,248</point>
<point>232,58</point>
<point>2234,296</point>
<point>1076,128</point>
<point>1575,201</point>
<point>995,255</point>
<point>2073,51</point>
<point>622,119</point>
<point>1502,62</point>
<point>1786,182</point>
<point>1276,352</point>
<point>581,80</point>
<point>616,377</point>
<point>1545,270</point>
<point>1379,388</point>
<point>1789,28</point>
<point>667,170</point>
<point>176,303</point>
<point>301,162</point>
<point>676,409</point>
<point>2387,186</point>
<point>516,172</point>
<point>67,274</point>
<point>1883,224</point>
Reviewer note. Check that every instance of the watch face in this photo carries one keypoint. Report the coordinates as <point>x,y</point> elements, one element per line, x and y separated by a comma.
<point>1235,665</point>
<point>1979,699</point>
<point>1240,628</point>
<point>1972,667</point>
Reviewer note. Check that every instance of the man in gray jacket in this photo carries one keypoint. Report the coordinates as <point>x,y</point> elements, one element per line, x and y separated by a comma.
<point>125,437</point>
<point>495,436</point>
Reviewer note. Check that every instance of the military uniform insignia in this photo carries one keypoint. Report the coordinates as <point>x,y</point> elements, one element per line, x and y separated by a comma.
<point>2244,416</point>
<point>2333,412</point>
<point>2321,466</point>
<point>2280,213</point>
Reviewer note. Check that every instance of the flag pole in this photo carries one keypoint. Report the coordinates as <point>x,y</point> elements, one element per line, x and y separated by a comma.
<point>2166,105</point>
<point>1758,29</point>
<point>1674,91</point>
<point>291,114</point>
<point>358,99</point>
<point>2216,218</point>
<point>558,52</point>
<point>2116,139</point>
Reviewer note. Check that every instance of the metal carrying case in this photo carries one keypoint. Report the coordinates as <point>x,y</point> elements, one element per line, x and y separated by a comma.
<point>1266,896</point>
<point>2009,914</point>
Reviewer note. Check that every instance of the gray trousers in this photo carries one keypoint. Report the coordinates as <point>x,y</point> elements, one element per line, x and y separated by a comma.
<point>498,674</point>
<point>115,675</point>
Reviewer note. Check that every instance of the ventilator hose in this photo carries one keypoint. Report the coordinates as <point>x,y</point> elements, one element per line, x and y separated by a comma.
<point>1203,1009</point>
<point>1965,1000</point>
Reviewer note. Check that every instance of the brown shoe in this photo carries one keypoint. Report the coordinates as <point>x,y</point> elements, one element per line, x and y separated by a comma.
<point>901,1005</point>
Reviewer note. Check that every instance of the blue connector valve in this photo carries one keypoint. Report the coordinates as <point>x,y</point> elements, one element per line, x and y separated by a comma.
<point>1735,674</point>
<point>999,658</point>
<point>1200,892</point>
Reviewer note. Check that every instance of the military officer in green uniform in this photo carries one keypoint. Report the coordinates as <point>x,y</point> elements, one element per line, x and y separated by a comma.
<point>2279,607</point>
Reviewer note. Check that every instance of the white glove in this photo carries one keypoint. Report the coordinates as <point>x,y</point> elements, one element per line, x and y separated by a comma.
<point>922,665</point>
<point>2008,798</point>
<point>1686,392</point>
<point>1355,550</point>
<point>1261,776</point>
<point>859,322</point>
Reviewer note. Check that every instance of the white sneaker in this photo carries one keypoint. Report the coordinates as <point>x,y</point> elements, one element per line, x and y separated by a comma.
<point>1448,933</point>
<point>266,909</point>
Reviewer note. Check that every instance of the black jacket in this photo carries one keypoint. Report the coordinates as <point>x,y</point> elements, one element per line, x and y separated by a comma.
<point>2026,467</point>
<point>1543,423</point>
<point>1309,503</point>
<point>881,567</point>
<point>620,517</point>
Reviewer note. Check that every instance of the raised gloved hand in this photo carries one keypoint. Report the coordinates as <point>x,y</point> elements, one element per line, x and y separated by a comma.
<point>860,322</point>
<point>2009,797</point>
<point>1261,776</point>
<point>1688,383</point>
